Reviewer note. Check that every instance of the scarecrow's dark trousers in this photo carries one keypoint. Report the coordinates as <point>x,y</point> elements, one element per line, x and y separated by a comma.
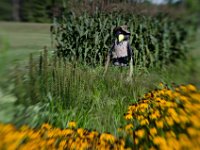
<point>122,61</point>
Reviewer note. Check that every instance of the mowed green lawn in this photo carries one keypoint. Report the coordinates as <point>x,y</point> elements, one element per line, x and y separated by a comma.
<point>29,36</point>
<point>18,40</point>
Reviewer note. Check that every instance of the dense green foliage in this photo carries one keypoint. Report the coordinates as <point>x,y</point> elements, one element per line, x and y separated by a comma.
<point>155,40</point>
<point>5,10</point>
<point>193,5</point>
<point>30,10</point>
<point>43,11</point>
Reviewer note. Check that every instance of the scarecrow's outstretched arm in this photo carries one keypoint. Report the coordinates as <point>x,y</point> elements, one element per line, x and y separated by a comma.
<point>108,60</point>
<point>130,52</point>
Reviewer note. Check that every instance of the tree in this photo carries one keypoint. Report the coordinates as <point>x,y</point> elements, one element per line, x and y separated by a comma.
<point>5,10</point>
<point>193,5</point>
<point>16,10</point>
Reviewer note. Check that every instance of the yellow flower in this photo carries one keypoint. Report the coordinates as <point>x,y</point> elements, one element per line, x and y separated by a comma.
<point>136,141</point>
<point>159,140</point>
<point>173,143</point>
<point>184,99</point>
<point>80,131</point>
<point>44,138</point>
<point>155,115</point>
<point>145,101</point>
<point>8,128</point>
<point>174,115</point>
<point>153,131</point>
<point>169,93</point>
<point>93,134</point>
<point>183,119</point>
<point>172,112</point>
<point>140,117</point>
<point>159,124</point>
<point>34,135</point>
<point>195,96</point>
<point>169,121</point>
<point>140,133</point>
<point>176,119</point>
<point>183,88</point>
<point>176,94</point>
<point>128,116</point>
<point>170,134</point>
<point>128,127</point>
<point>107,137</point>
<point>185,141</point>
<point>191,131</point>
<point>46,126</point>
<point>170,104</point>
<point>66,132</point>
<point>161,85</point>
<point>144,106</point>
<point>191,87</point>
<point>195,120</point>
<point>158,99</point>
<point>71,124</point>
<point>131,108</point>
<point>50,141</point>
<point>144,122</point>
<point>62,144</point>
<point>142,110</point>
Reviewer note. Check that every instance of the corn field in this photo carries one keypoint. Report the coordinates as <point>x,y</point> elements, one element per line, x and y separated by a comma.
<point>155,40</point>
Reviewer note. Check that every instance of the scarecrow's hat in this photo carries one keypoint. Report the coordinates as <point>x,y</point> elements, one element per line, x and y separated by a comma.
<point>123,29</point>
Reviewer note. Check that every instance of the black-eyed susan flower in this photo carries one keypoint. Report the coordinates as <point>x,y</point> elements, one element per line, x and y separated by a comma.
<point>128,127</point>
<point>71,124</point>
<point>128,116</point>
<point>153,131</point>
<point>159,123</point>
<point>140,133</point>
<point>107,137</point>
<point>144,122</point>
<point>191,88</point>
<point>158,140</point>
<point>173,116</point>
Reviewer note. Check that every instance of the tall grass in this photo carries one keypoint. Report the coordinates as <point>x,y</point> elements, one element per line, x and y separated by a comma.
<point>54,91</point>
<point>74,91</point>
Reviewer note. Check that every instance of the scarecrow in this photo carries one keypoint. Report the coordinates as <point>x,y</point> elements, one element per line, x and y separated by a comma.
<point>120,53</point>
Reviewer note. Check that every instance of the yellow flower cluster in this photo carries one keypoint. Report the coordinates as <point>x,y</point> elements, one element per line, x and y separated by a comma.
<point>163,119</point>
<point>48,137</point>
<point>166,119</point>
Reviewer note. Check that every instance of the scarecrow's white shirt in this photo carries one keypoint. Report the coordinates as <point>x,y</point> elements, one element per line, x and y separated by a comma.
<point>120,49</point>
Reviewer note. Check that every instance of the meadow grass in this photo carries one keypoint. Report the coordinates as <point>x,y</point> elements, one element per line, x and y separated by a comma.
<point>81,94</point>
<point>95,102</point>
